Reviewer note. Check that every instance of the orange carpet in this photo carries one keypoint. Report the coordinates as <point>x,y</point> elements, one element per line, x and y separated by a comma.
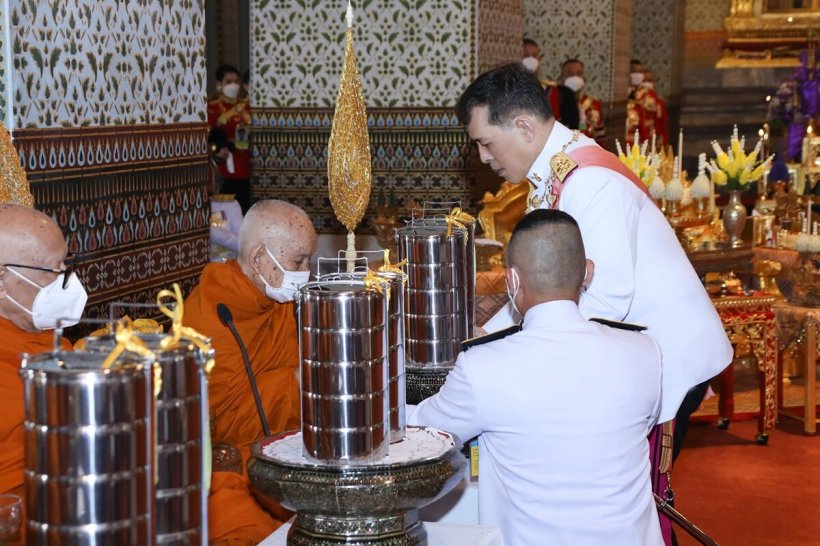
<point>741,493</point>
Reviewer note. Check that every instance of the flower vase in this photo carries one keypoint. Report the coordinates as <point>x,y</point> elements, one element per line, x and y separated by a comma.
<point>734,218</point>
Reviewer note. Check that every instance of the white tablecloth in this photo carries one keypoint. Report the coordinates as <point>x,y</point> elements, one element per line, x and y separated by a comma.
<point>438,534</point>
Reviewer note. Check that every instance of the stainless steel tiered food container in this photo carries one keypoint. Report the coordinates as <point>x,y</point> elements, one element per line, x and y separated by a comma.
<point>439,301</point>
<point>343,343</point>
<point>89,464</point>
<point>182,421</point>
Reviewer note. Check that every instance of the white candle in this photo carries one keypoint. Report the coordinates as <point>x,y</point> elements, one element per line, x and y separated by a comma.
<point>808,209</point>
<point>680,145</point>
<point>349,15</point>
<point>652,155</point>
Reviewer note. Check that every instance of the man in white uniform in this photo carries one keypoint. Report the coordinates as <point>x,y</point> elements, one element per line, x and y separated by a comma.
<point>563,407</point>
<point>642,275</point>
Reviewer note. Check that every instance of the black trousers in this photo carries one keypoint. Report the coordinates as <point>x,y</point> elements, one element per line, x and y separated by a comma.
<point>690,404</point>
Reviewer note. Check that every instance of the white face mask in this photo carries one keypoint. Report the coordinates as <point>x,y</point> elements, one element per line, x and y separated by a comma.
<point>648,85</point>
<point>230,90</point>
<point>636,78</point>
<point>576,83</point>
<point>291,281</point>
<point>512,293</point>
<point>53,303</point>
<point>530,63</point>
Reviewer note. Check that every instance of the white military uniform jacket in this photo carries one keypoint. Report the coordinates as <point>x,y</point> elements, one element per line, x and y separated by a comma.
<point>563,408</point>
<point>642,274</point>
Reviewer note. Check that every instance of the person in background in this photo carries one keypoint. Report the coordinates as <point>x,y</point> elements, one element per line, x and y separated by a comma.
<point>563,454</point>
<point>662,114</point>
<point>276,242</point>
<point>230,115</point>
<point>563,100</point>
<point>589,107</point>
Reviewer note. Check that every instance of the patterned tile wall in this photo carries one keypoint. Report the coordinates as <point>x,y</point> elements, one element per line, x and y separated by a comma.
<point>409,53</point>
<point>583,29</point>
<point>500,27</point>
<point>657,35</point>
<point>140,223</point>
<point>107,62</point>
<point>706,15</point>
<point>418,155</point>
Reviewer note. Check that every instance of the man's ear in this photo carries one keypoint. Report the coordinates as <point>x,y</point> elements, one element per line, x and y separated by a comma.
<point>526,125</point>
<point>588,274</point>
<point>255,257</point>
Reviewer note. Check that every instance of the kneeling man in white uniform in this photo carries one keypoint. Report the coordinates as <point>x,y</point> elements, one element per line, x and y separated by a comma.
<point>563,406</point>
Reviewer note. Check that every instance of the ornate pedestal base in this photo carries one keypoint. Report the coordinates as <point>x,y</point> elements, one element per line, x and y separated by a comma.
<point>366,505</point>
<point>422,383</point>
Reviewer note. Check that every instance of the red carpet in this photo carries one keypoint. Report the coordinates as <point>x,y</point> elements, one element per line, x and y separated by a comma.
<point>741,493</point>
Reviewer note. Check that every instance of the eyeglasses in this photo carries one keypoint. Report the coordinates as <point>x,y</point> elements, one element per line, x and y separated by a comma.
<point>69,261</point>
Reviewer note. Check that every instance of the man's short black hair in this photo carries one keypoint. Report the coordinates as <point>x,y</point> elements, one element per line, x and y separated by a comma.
<point>570,61</point>
<point>635,61</point>
<point>224,70</point>
<point>508,91</point>
<point>543,217</point>
<point>530,42</point>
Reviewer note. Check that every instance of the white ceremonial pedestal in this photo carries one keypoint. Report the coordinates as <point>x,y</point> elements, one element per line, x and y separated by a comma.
<point>438,534</point>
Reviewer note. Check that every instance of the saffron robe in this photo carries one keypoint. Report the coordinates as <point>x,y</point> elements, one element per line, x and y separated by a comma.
<point>269,331</point>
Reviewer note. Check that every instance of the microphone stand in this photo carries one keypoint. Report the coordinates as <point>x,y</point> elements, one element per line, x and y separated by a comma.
<point>226,318</point>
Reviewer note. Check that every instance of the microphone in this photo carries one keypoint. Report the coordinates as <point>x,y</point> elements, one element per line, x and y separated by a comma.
<point>226,318</point>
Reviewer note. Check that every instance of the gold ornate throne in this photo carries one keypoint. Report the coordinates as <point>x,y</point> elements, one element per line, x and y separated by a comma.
<point>500,212</point>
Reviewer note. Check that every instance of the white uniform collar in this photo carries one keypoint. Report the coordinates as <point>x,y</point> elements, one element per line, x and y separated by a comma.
<point>541,171</point>
<point>549,313</point>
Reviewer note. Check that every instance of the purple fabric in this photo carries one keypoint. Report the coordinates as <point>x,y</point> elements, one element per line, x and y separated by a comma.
<point>795,145</point>
<point>808,91</point>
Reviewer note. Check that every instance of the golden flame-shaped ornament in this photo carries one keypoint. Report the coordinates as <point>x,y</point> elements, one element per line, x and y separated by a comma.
<point>348,161</point>
<point>13,183</point>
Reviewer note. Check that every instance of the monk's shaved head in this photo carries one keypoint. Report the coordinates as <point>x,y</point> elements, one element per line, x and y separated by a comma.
<point>547,252</point>
<point>30,238</point>
<point>26,233</point>
<point>275,224</point>
<point>285,231</point>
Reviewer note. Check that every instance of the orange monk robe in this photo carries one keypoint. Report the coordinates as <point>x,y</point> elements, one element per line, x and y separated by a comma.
<point>14,343</point>
<point>268,328</point>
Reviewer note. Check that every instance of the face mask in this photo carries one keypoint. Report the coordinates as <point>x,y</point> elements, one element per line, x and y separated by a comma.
<point>530,63</point>
<point>230,90</point>
<point>512,293</point>
<point>576,83</point>
<point>291,281</point>
<point>636,78</point>
<point>649,85</point>
<point>53,303</point>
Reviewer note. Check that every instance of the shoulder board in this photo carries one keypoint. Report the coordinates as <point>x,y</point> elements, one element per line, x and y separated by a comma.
<point>495,336</point>
<point>619,325</point>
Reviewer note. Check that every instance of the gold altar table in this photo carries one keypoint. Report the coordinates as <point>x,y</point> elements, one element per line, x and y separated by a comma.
<point>797,329</point>
<point>751,320</point>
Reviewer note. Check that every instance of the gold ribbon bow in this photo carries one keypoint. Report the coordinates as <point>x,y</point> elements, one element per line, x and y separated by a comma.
<point>458,218</point>
<point>376,282</point>
<point>177,330</point>
<point>128,340</point>
<point>392,268</point>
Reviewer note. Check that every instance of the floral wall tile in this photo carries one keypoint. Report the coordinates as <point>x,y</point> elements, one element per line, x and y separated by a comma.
<point>107,62</point>
<point>415,53</point>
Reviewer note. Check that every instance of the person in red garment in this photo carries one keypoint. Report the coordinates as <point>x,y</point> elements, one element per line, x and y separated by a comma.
<point>229,117</point>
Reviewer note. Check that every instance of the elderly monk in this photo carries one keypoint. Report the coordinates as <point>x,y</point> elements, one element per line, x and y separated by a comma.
<point>276,242</point>
<point>36,290</point>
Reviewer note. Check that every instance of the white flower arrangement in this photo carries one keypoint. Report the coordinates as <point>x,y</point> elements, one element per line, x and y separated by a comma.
<point>701,186</point>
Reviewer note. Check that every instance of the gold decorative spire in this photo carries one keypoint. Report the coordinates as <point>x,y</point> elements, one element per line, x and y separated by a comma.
<point>348,156</point>
<point>13,183</point>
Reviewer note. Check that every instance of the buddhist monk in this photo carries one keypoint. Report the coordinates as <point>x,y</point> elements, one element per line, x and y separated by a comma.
<point>276,242</point>
<point>36,289</point>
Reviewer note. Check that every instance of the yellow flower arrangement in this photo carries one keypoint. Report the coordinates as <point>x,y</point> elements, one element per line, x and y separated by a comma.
<point>636,159</point>
<point>735,170</point>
